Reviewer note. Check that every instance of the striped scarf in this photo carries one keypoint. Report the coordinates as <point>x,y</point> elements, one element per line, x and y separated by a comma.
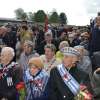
<point>69,80</point>
<point>35,85</point>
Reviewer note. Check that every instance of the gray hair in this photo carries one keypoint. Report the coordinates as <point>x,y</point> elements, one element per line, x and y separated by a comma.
<point>29,43</point>
<point>50,46</point>
<point>11,50</point>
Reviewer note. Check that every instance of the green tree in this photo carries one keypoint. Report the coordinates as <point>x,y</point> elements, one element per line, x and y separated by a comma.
<point>20,14</point>
<point>24,16</point>
<point>63,18</point>
<point>39,16</point>
<point>54,18</point>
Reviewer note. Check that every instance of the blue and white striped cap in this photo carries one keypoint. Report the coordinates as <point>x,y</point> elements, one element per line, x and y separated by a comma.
<point>70,51</point>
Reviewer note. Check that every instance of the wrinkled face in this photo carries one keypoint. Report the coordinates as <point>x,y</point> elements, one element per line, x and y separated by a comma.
<point>27,48</point>
<point>70,61</point>
<point>49,53</point>
<point>6,56</point>
<point>33,70</point>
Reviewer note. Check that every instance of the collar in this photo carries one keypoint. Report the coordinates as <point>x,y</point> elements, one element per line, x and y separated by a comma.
<point>51,60</point>
<point>36,74</point>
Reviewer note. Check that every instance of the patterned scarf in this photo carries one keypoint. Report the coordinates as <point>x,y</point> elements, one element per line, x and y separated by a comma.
<point>4,69</point>
<point>35,85</point>
<point>48,65</point>
<point>69,80</point>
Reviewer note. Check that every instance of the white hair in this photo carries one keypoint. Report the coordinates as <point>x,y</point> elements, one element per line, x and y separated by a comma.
<point>8,49</point>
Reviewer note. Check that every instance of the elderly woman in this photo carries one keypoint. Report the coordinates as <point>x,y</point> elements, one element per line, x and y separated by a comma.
<point>10,75</point>
<point>49,59</point>
<point>65,78</point>
<point>59,54</point>
<point>36,80</point>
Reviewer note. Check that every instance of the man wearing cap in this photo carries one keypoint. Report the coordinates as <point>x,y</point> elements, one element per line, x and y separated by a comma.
<point>65,79</point>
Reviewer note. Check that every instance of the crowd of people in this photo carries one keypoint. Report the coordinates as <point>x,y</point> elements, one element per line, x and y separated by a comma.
<point>56,64</point>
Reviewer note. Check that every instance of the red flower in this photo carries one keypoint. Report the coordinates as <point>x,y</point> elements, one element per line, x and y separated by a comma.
<point>20,85</point>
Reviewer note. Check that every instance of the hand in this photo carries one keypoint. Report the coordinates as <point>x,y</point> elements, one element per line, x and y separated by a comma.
<point>98,69</point>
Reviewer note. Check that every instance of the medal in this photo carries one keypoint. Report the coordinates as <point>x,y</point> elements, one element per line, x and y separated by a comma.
<point>9,81</point>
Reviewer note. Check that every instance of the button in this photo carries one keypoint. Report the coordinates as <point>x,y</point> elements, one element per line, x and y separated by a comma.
<point>64,96</point>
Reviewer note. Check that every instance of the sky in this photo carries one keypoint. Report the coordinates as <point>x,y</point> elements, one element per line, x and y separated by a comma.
<point>78,12</point>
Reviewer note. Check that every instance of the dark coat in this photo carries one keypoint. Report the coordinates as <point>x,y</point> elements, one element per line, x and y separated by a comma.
<point>57,88</point>
<point>96,60</point>
<point>75,42</point>
<point>10,91</point>
<point>95,40</point>
<point>96,85</point>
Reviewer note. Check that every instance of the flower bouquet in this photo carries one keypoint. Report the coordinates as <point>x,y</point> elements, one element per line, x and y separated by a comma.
<point>84,94</point>
<point>21,90</point>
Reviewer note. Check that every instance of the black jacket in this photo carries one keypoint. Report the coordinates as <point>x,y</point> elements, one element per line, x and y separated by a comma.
<point>57,88</point>
<point>9,90</point>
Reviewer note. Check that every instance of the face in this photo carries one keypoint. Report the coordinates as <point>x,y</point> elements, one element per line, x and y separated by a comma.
<point>6,57</point>
<point>2,31</point>
<point>27,48</point>
<point>49,53</point>
<point>98,21</point>
<point>48,38</point>
<point>70,61</point>
<point>33,70</point>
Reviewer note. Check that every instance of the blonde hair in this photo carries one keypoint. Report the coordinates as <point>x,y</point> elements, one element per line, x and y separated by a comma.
<point>36,61</point>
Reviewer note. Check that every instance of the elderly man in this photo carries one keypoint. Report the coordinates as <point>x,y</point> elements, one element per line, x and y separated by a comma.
<point>65,79</point>
<point>10,75</point>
